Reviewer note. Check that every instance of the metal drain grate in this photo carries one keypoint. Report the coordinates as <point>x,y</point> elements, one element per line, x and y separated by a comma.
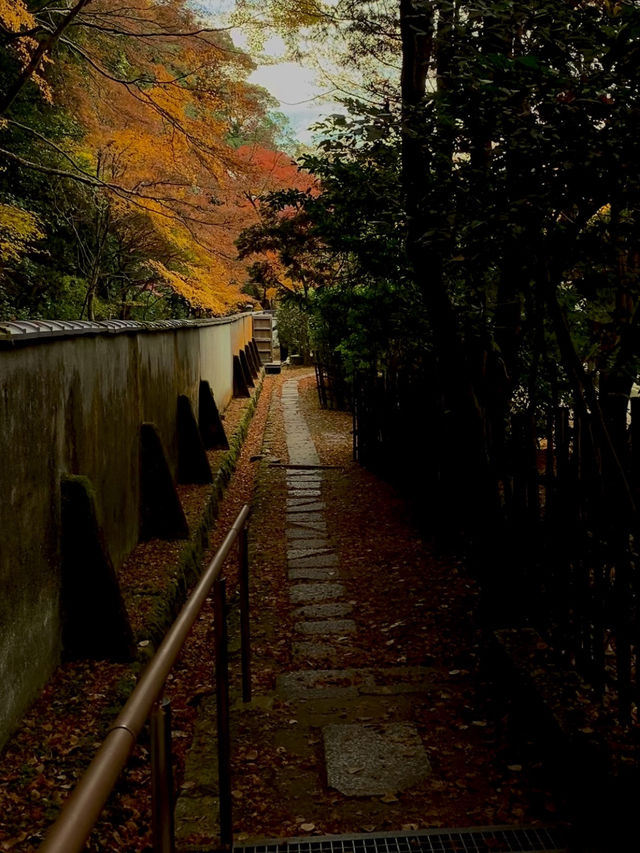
<point>494,839</point>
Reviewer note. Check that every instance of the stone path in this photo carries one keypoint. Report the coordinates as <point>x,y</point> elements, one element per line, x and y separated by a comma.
<point>361,760</point>
<point>321,624</point>
<point>332,745</point>
<point>361,717</point>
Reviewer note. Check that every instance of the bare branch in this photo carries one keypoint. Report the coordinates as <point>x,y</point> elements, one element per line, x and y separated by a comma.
<point>135,80</point>
<point>148,34</point>
<point>134,197</point>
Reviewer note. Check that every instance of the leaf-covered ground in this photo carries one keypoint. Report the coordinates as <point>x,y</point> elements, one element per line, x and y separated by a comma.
<point>414,607</point>
<point>60,734</point>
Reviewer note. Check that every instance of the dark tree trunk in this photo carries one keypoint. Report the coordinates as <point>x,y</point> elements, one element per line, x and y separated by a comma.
<point>469,475</point>
<point>621,502</point>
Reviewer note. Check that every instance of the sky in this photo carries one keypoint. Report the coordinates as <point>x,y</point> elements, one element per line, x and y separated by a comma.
<point>301,96</point>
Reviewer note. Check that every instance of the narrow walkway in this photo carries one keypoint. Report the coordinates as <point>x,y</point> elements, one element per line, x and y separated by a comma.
<point>366,715</point>
<point>367,758</point>
<point>320,616</point>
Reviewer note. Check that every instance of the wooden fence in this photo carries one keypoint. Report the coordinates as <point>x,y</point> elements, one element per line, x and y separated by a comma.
<point>333,389</point>
<point>581,538</point>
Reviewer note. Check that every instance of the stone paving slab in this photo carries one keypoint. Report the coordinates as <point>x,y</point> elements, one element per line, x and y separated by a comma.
<point>300,530</point>
<point>309,551</point>
<point>195,813</point>
<point>307,682</point>
<point>296,506</point>
<point>287,685</point>
<point>417,676</point>
<point>299,452</point>
<point>313,574</point>
<point>308,538</point>
<point>367,682</point>
<point>307,651</point>
<point>333,610</point>
<point>306,517</point>
<point>306,496</point>
<point>327,626</point>
<point>363,761</point>
<point>297,533</point>
<point>314,562</point>
<point>304,593</point>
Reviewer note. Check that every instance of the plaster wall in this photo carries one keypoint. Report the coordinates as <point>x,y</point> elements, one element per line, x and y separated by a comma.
<point>238,336</point>
<point>217,363</point>
<point>74,405</point>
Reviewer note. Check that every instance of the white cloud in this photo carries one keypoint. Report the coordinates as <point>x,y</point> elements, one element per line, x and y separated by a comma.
<point>302,98</point>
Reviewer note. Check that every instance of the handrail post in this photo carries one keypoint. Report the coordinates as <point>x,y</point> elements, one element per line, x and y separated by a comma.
<point>162,778</point>
<point>245,632</point>
<point>222,713</point>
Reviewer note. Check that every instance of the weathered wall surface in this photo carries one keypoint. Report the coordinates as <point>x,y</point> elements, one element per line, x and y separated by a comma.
<point>74,405</point>
<point>217,363</point>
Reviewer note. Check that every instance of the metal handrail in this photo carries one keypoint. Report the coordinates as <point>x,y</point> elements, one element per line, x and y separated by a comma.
<point>85,804</point>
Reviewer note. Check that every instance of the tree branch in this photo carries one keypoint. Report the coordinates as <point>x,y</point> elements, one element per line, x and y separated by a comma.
<point>43,48</point>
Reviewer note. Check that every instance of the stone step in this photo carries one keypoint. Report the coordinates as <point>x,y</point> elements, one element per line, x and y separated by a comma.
<point>306,531</point>
<point>323,573</point>
<point>306,483</point>
<point>300,505</point>
<point>307,517</point>
<point>333,610</point>
<point>308,593</point>
<point>309,652</point>
<point>309,551</point>
<point>312,561</point>
<point>373,760</point>
<point>365,682</point>
<point>327,626</point>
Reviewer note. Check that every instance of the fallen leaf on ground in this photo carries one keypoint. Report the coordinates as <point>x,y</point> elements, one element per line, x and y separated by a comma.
<point>389,798</point>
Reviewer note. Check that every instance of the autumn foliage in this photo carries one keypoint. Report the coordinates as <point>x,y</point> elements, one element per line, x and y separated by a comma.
<point>135,151</point>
